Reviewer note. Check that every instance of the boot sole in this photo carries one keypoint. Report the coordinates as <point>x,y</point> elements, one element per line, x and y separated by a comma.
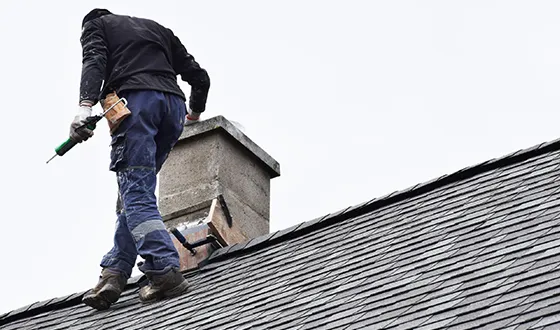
<point>102,300</point>
<point>96,302</point>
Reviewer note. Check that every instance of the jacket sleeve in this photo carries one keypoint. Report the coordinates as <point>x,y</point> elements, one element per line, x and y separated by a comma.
<point>185,65</point>
<point>94,60</point>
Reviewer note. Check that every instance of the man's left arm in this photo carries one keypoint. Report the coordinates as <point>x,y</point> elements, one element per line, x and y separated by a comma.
<point>94,61</point>
<point>185,65</point>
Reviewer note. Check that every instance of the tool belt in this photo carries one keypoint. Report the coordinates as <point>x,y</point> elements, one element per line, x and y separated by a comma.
<point>117,114</point>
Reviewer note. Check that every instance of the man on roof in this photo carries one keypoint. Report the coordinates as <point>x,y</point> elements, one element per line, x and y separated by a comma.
<point>138,60</point>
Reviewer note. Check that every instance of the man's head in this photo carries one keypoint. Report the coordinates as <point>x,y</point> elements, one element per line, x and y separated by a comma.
<point>97,12</point>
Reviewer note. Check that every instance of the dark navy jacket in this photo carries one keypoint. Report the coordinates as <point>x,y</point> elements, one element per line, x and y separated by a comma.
<point>124,53</point>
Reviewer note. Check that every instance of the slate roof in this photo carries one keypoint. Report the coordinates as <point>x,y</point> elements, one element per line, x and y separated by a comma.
<point>479,248</point>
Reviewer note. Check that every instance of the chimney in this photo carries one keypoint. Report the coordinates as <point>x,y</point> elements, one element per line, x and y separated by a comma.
<point>214,189</point>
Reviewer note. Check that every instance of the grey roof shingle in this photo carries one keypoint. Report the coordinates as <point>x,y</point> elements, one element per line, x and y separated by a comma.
<point>478,248</point>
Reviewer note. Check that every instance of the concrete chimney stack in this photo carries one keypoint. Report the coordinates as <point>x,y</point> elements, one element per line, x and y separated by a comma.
<point>215,184</point>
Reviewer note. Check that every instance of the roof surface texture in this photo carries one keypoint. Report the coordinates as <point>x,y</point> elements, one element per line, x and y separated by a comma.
<point>477,249</point>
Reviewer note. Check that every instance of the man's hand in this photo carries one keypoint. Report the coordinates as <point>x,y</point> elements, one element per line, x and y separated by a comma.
<point>84,133</point>
<point>192,117</point>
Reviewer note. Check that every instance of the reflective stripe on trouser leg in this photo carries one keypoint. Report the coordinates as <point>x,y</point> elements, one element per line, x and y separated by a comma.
<point>123,254</point>
<point>146,228</point>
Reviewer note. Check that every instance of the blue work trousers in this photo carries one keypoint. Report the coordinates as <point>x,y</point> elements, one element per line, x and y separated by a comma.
<point>139,147</point>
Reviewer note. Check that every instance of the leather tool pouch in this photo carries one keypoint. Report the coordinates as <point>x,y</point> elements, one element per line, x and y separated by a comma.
<point>117,114</point>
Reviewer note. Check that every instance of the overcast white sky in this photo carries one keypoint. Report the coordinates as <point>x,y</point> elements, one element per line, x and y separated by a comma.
<point>355,99</point>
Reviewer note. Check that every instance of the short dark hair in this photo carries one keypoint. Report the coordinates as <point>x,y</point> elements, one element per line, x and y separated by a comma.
<point>95,13</point>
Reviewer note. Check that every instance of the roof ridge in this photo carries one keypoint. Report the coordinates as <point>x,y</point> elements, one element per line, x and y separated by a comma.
<point>376,203</point>
<point>41,307</point>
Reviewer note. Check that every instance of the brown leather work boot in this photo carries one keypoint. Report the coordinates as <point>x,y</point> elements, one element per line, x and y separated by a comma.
<point>107,291</point>
<point>169,284</point>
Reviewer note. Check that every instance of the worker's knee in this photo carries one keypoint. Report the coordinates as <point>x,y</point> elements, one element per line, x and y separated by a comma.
<point>137,187</point>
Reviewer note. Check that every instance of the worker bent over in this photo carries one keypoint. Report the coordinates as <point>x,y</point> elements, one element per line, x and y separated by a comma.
<point>139,60</point>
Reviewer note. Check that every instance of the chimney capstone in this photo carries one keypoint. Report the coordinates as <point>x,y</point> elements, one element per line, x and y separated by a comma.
<point>216,181</point>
